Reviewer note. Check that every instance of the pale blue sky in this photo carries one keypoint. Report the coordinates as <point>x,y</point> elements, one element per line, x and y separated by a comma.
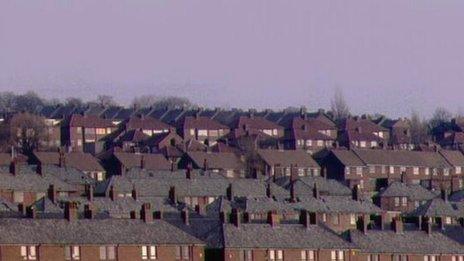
<point>386,56</point>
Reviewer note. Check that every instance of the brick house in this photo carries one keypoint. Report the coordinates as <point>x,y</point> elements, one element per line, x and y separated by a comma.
<point>310,134</point>
<point>80,161</point>
<point>400,133</point>
<point>118,163</point>
<point>402,197</point>
<point>71,238</point>
<point>277,163</point>
<point>229,164</point>
<point>374,169</point>
<point>202,129</point>
<point>362,133</point>
<point>85,132</point>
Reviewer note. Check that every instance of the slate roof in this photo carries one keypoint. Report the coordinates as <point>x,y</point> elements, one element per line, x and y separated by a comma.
<point>87,121</point>
<point>457,196</point>
<point>409,242</point>
<point>413,191</point>
<point>254,122</point>
<point>303,186</point>
<point>282,236</point>
<point>78,160</point>
<point>5,159</point>
<point>145,122</point>
<point>91,232</point>
<point>217,160</point>
<point>151,161</point>
<point>201,122</point>
<point>348,205</point>
<point>347,157</point>
<point>402,158</point>
<point>453,157</point>
<point>436,207</point>
<point>297,158</point>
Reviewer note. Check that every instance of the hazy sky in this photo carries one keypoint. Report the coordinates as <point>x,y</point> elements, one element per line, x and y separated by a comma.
<point>387,56</point>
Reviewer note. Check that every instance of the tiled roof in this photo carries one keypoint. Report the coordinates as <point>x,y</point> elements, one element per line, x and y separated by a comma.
<point>151,161</point>
<point>347,157</point>
<point>5,158</point>
<point>297,158</point>
<point>201,123</point>
<point>413,191</point>
<point>402,158</point>
<point>254,122</point>
<point>145,122</point>
<point>88,121</point>
<point>408,242</point>
<point>453,157</point>
<point>95,231</point>
<point>436,207</point>
<point>303,186</point>
<point>217,160</point>
<point>282,236</point>
<point>77,160</point>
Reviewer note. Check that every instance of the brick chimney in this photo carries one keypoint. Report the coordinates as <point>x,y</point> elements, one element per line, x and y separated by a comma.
<point>112,193</point>
<point>185,216</point>
<point>313,218</point>
<point>363,223</point>
<point>230,192</point>
<point>235,217</point>
<point>188,172</point>
<point>268,190</point>
<point>21,209</point>
<point>70,211</point>
<point>173,195</point>
<point>145,213</point>
<point>39,169</point>
<point>205,165</point>
<point>88,211</point>
<point>62,160</point>
<point>142,162</point>
<point>89,192</point>
<point>52,193</point>
<point>316,192</point>
<point>356,193</point>
<point>397,225</point>
<point>382,220</point>
<point>273,218</point>
<point>305,218</point>
<point>14,168</point>
<point>158,214</point>
<point>246,217</point>
<point>134,193</point>
<point>31,212</point>
<point>444,195</point>
<point>428,225</point>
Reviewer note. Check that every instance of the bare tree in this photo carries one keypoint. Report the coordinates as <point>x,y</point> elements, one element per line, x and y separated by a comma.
<point>74,102</point>
<point>105,100</point>
<point>144,101</point>
<point>440,122</point>
<point>419,132</point>
<point>339,107</point>
<point>172,101</point>
<point>24,130</point>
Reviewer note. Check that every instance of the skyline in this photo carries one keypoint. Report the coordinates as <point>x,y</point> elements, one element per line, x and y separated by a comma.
<point>386,57</point>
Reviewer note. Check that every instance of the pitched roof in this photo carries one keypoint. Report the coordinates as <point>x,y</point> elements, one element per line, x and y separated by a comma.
<point>436,207</point>
<point>453,157</point>
<point>304,186</point>
<point>413,191</point>
<point>409,242</point>
<point>217,160</point>
<point>297,158</point>
<point>201,122</point>
<point>88,121</point>
<point>347,157</point>
<point>91,232</point>
<point>78,160</point>
<point>145,123</point>
<point>402,158</point>
<point>5,158</point>
<point>254,122</point>
<point>282,236</point>
<point>151,161</point>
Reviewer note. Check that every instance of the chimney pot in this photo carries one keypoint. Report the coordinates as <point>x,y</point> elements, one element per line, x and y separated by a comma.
<point>316,192</point>
<point>21,209</point>
<point>14,168</point>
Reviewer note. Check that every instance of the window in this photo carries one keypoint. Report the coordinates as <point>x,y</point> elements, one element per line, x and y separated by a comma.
<point>361,184</point>
<point>18,197</point>
<point>29,252</point>
<point>309,143</point>
<point>301,172</point>
<point>100,131</point>
<point>39,195</point>
<point>458,170</point>
<point>397,201</point>
<point>434,171</point>
<point>400,258</point>
<point>274,132</point>
<point>448,220</point>
<point>149,253</point>
<point>72,253</point>
<point>267,132</point>
<point>182,253</point>
<point>347,170</point>
<point>108,130</point>
<point>373,143</point>
<point>427,171</point>
<point>457,258</point>
<point>246,255</point>
<point>324,217</point>
<point>202,132</point>
<point>403,169</point>
<point>430,258</point>
<point>359,170</point>
<point>446,172</point>
<point>275,255</point>
<point>213,133</point>
<point>320,143</point>
<point>210,200</point>
<point>307,255</point>
<point>79,142</point>
<point>391,170</point>
<point>335,219</point>
<point>404,201</point>
<point>79,130</point>
<point>384,169</point>
<point>352,219</point>
<point>337,255</point>
<point>192,132</point>
<point>107,253</point>
<point>415,170</point>
<point>372,169</point>
<point>373,257</point>
<point>362,144</point>
<point>99,176</point>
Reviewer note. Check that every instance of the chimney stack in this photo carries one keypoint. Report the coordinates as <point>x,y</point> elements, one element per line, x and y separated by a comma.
<point>444,195</point>
<point>223,217</point>
<point>112,193</point>
<point>145,213</point>
<point>397,225</point>
<point>189,173</point>
<point>52,193</point>
<point>316,192</point>
<point>292,191</point>
<point>21,209</point>
<point>185,216</point>
<point>428,226</point>
<point>305,218</point>
<point>205,164</point>
<point>14,168</point>
<point>158,214</point>
<point>173,195</point>
<point>62,160</point>
<point>70,211</point>
<point>230,192</point>
<point>356,193</point>
<point>88,211</point>
<point>363,223</point>
<point>89,192</point>
<point>31,213</point>
<point>273,218</point>
<point>313,219</point>
<point>235,217</point>
<point>268,190</point>
<point>142,162</point>
<point>134,193</point>
<point>39,169</point>
<point>200,210</point>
